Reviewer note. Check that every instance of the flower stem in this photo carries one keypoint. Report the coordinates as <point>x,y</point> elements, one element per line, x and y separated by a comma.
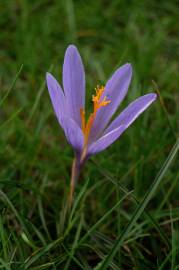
<point>74,177</point>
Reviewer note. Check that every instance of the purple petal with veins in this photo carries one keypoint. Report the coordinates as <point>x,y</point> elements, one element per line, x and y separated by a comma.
<point>128,116</point>
<point>73,133</point>
<point>57,97</point>
<point>105,140</point>
<point>74,83</point>
<point>115,91</point>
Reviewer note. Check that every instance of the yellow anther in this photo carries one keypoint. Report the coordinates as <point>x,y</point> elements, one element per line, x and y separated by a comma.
<point>97,104</point>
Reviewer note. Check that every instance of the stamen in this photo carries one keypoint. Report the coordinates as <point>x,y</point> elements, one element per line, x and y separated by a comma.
<point>97,104</point>
<point>82,114</point>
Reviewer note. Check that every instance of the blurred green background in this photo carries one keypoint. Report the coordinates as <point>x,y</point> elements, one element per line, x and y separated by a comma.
<point>35,159</point>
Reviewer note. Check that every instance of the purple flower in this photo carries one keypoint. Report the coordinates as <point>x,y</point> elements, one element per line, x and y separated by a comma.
<point>91,136</point>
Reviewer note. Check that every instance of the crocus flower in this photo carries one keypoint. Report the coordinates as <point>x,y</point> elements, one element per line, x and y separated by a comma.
<point>88,137</point>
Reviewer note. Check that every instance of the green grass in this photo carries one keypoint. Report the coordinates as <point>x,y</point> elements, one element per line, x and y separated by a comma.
<point>126,211</point>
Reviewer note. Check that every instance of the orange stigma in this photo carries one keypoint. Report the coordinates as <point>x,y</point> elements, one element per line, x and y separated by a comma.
<point>97,104</point>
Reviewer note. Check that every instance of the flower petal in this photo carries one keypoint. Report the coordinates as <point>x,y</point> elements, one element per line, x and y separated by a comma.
<point>115,90</point>
<point>57,96</point>
<point>73,133</point>
<point>74,83</point>
<point>134,109</point>
<point>105,140</point>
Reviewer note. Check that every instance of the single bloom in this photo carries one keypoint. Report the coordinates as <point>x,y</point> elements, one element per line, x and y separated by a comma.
<point>95,134</point>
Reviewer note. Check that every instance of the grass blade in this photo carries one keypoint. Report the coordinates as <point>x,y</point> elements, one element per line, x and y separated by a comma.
<point>40,253</point>
<point>6,200</point>
<point>105,263</point>
<point>135,200</point>
<point>12,85</point>
<point>101,220</point>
